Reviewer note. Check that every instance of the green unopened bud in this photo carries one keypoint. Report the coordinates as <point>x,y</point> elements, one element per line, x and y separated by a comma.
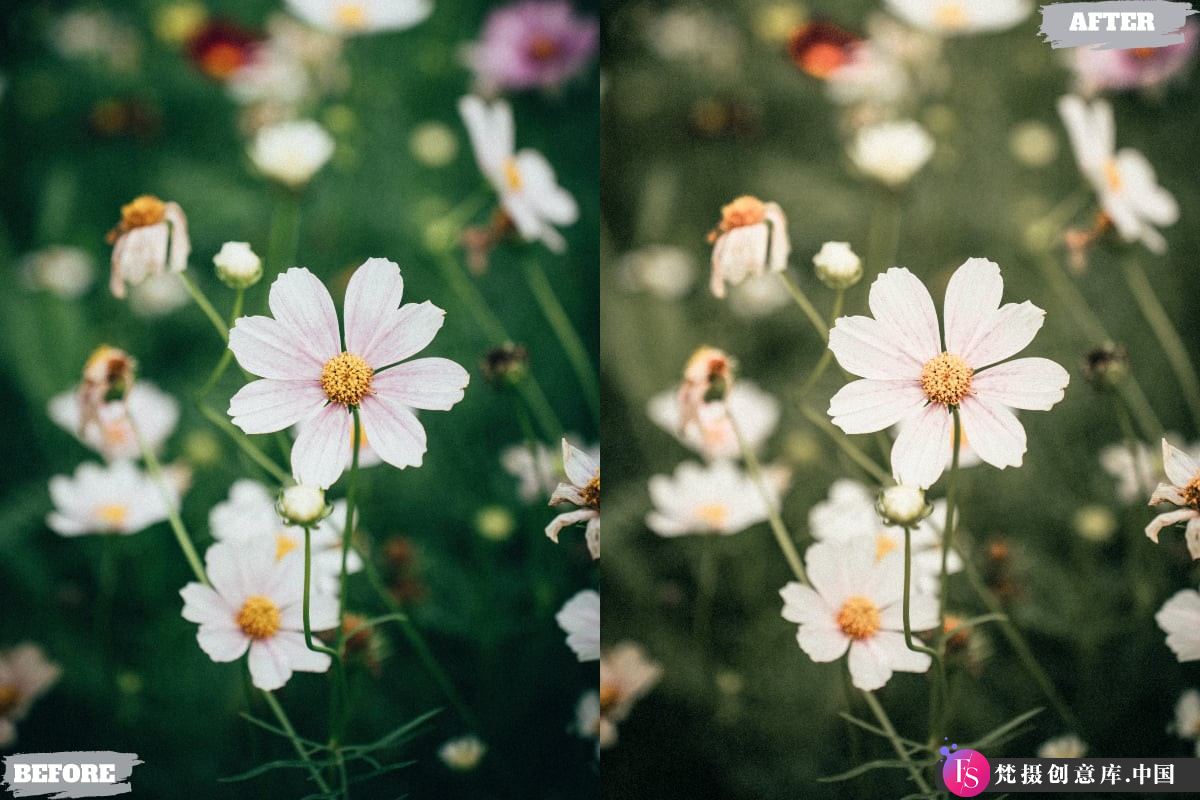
<point>237,265</point>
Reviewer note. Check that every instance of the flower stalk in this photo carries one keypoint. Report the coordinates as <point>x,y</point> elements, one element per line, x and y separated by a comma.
<point>568,337</point>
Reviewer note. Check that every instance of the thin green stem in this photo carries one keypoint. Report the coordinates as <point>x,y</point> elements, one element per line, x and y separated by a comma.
<point>243,442</point>
<point>171,503</point>
<point>348,527</point>
<point>848,447</point>
<point>286,724</point>
<point>227,356</point>
<point>308,635</point>
<point>205,306</point>
<point>889,730</point>
<point>827,356</point>
<point>571,342</point>
<point>806,305</point>
<point>908,636</point>
<point>951,517</point>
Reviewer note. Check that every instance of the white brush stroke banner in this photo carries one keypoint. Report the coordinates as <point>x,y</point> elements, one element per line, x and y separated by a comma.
<point>1115,24</point>
<point>60,776</point>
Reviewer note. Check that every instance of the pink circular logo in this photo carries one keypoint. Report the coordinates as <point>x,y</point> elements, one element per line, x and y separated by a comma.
<point>966,773</point>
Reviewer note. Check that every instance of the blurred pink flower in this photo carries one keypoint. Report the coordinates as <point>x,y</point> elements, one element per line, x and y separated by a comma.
<point>1135,68</point>
<point>532,45</point>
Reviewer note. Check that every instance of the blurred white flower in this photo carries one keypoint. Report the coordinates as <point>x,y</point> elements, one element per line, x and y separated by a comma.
<point>291,152</point>
<point>1179,618</point>
<point>906,373</point>
<point>463,753</point>
<point>1183,490</point>
<point>837,266</point>
<point>1033,144</point>
<point>1066,746</point>
<point>1125,69</point>
<point>750,239</point>
<point>25,675</point>
<point>354,17</point>
<point>237,265</point>
<point>718,498</point>
<point>271,76</point>
<point>662,270</point>
<point>96,34</point>
<point>891,152</point>
<point>582,489</point>
<point>433,144</point>
<point>579,618</point>
<point>116,498</point>
<point>854,604</point>
<point>758,296</point>
<point>695,35</point>
<point>108,431</point>
<point>870,77</point>
<point>150,239</point>
<point>1187,717</point>
<point>710,432</point>
<point>524,180</point>
<point>1135,472</point>
<point>1124,180</point>
<point>67,272</point>
<point>255,604</point>
<point>961,17</point>
<point>536,468</point>
<point>587,717</point>
<point>627,674</point>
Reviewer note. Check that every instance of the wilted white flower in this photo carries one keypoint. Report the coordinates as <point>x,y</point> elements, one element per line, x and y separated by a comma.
<point>355,17</point>
<point>67,272</point>
<point>108,431</point>
<point>709,432</point>
<point>1066,746</point>
<point>25,675</point>
<point>536,468</point>
<point>837,265</point>
<point>237,265</point>
<point>580,620</point>
<point>582,489</point>
<point>150,239</point>
<point>1183,491</point>
<point>750,239</point>
<point>291,152</point>
<point>891,152</point>
<point>662,270</point>
<point>117,498</point>
<point>627,674</point>
<point>463,753</point>
<point>718,498</point>
<point>961,17</point>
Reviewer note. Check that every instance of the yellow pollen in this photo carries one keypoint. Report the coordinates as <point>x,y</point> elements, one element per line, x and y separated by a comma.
<point>714,515</point>
<point>259,617</point>
<point>113,514</point>
<point>142,211</point>
<point>512,175</point>
<point>1191,493</point>
<point>859,617</point>
<point>946,379</point>
<point>1112,175</point>
<point>743,211</point>
<point>284,544</point>
<point>609,696</point>
<point>351,16</point>
<point>346,379</point>
<point>10,695</point>
<point>884,544</point>
<point>591,492</point>
<point>950,16</point>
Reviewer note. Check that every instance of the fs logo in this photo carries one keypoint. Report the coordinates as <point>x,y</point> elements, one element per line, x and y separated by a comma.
<point>966,773</point>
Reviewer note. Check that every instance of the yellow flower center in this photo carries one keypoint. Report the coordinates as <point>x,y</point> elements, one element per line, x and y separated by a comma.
<point>9,697</point>
<point>346,379</point>
<point>884,544</point>
<point>284,544</point>
<point>259,617</point>
<point>113,514</point>
<point>950,17</point>
<point>512,175</point>
<point>743,211</point>
<point>142,211</point>
<point>946,379</point>
<point>1191,493</point>
<point>859,617</point>
<point>714,515</point>
<point>351,16</point>
<point>1112,175</point>
<point>591,492</point>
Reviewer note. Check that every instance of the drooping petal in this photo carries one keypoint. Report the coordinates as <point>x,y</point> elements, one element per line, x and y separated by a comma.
<point>266,405</point>
<point>372,300</point>
<point>405,333</point>
<point>865,347</point>
<point>319,454</point>
<point>1166,493</point>
<point>301,302</point>
<point>435,384</point>
<point>1004,334</point>
<point>972,296</point>
<point>1179,466</point>
<point>901,302</point>
<point>1034,384</point>
<point>919,454</point>
<point>396,434</point>
<point>570,518</point>
<point>264,347</point>
<point>866,406</point>
<point>269,669</point>
<point>997,436</point>
<point>181,243</point>
<point>1168,519</point>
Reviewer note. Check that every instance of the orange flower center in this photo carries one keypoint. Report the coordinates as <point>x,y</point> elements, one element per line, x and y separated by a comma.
<point>346,379</point>
<point>512,175</point>
<point>259,617</point>
<point>142,211</point>
<point>543,48</point>
<point>950,16</point>
<point>946,379</point>
<point>1112,175</point>
<point>1191,493</point>
<point>714,515</point>
<point>1144,53</point>
<point>859,617</point>
<point>591,492</point>
<point>113,514</point>
<point>884,544</point>
<point>222,59</point>
<point>743,211</point>
<point>9,697</point>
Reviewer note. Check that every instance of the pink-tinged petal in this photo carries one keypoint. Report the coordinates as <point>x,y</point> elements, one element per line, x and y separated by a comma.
<point>396,434</point>
<point>972,296</point>
<point>868,668</point>
<point>235,570</point>
<point>997,436</point>
<point>867,406</point>
<point>1167,520</point>
<point>920,454</point>
<point>267,405</point>
<point>372,299</point>
<point>822,643</point>
<point>301,302</point>
<point>435,384</point>
<point>222,644</point>
<point>1179,466</point>
<point>269,669</point>
<point>1034,384</point>
<point>264,347</point>
<point>405,333</point>
<point>1004,334</point>
<point>319,454</point>
<point>137,255</point>
<point>865,347</point>
<point>902,303</point>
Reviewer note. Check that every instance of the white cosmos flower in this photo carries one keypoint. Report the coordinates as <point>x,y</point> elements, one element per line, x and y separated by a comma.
<point>1123,180</point>
<point>906,373</point>
<point>627,674</point>
<point>1179,618</point>
<point>256,603</point>
<point>109,432</point>
<point>849,515</point>
<point>354,17</point>
<point>750,240</point>
<point>715,498</point>
<point>1187,717</point>
<point>1066,746</point>
<point>524,180</point>
<point>249,515</point>
<point>536,468</point>
<point>1183,490</point>
<point>854,604</point>
<point>961,17</point>
<point>580,620</point>
<point>581,489</point>
<point>891,152</point>
<point>25,675</point>
<point>291,152</point>
<point>65,271</point>
<point>710,433</point>
<point>462,754</point>
<point>306,374</point>
<point>151,238</point>
<point>117,498</point>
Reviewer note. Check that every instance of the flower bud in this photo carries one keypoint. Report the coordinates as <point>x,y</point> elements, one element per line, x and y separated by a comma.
<point>303,505</point>
<point>238,266</point>
<point>903,505</point>
<point>1106,366</point>
<point>838,267</point>
<point>506,364</point>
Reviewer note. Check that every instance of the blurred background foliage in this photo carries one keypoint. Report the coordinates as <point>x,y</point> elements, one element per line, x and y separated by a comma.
<point>703,104</point>
<point>136,680</point>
